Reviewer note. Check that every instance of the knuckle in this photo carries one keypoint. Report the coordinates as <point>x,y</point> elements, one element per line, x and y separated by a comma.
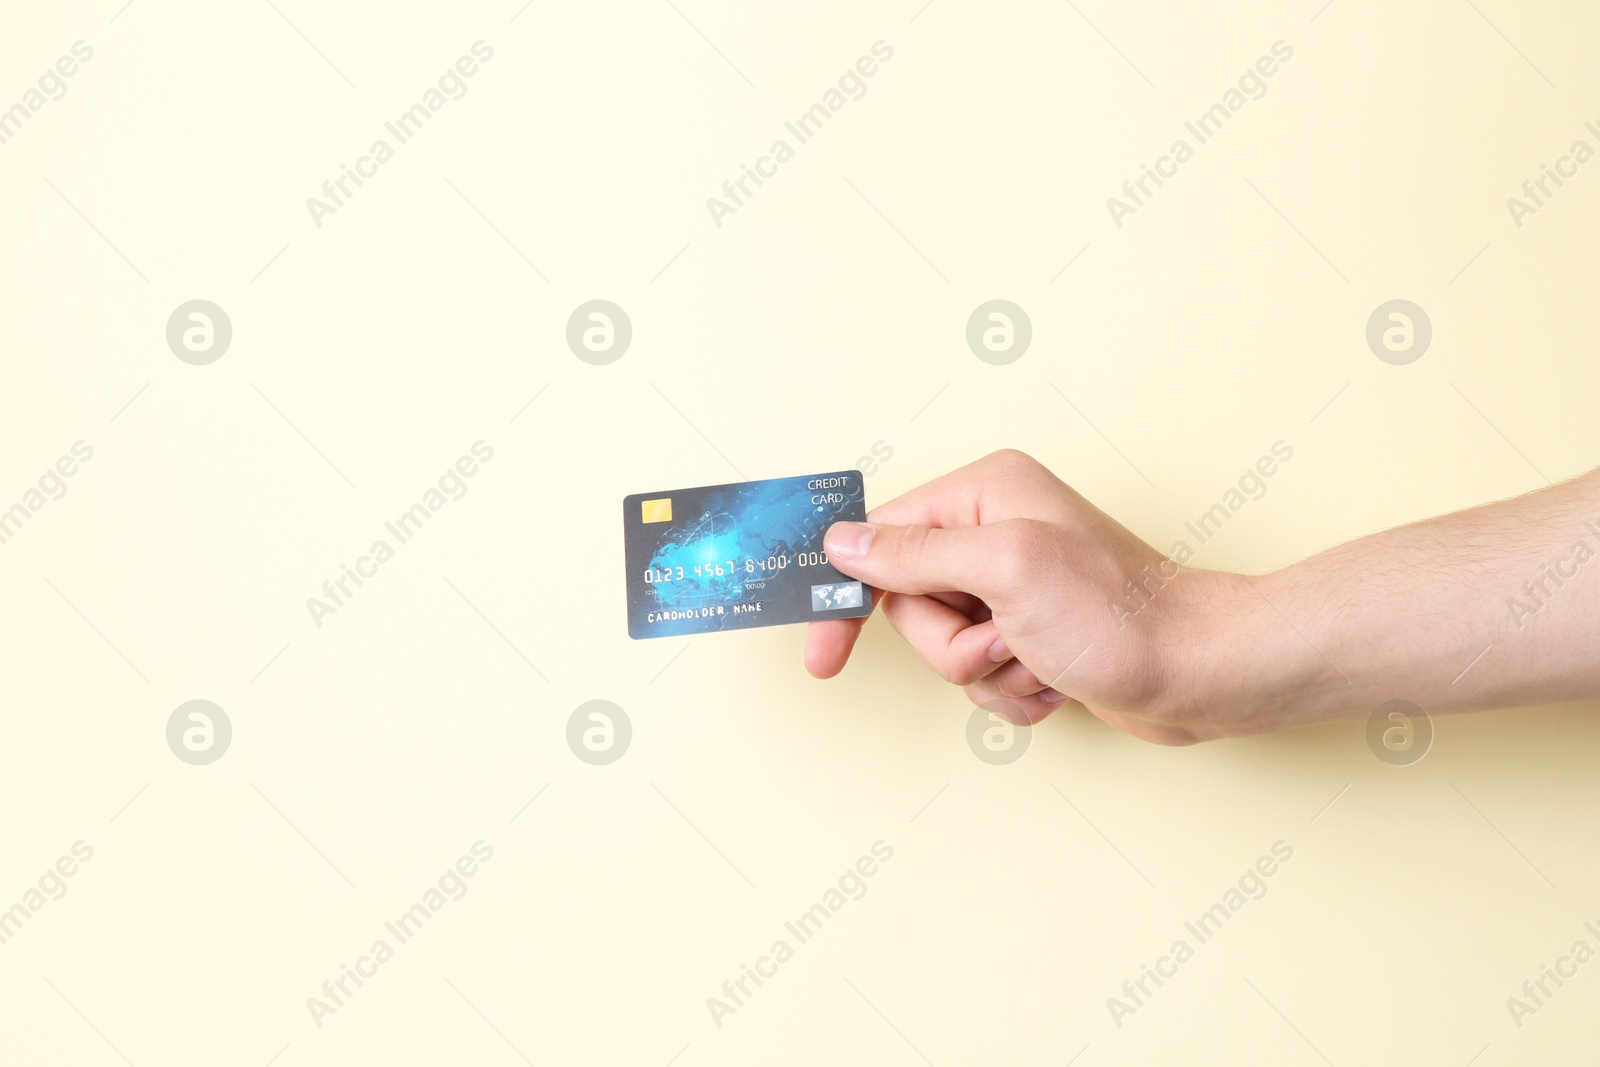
<point>1012,461</point>
<point>1024,476</point>
<point>964,671</point>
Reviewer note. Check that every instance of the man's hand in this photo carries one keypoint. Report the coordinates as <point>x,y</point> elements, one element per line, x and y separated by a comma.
<point>1013,586</point>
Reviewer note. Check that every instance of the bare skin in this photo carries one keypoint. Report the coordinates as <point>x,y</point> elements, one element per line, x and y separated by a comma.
<point>1007,582</point>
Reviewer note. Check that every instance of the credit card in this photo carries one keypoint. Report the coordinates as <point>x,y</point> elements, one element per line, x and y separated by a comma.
<point>730,557</point>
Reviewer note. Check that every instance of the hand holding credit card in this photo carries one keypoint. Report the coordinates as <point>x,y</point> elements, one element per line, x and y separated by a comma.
<point>736,556</point>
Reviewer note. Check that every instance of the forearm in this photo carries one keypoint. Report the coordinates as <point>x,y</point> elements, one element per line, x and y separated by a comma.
<point>1497,606</point>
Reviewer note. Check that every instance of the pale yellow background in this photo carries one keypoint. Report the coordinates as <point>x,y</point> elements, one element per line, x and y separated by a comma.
<point>789,341</point>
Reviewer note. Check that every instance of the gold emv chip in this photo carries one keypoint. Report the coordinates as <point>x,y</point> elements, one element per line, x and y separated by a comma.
<point>657,510</point>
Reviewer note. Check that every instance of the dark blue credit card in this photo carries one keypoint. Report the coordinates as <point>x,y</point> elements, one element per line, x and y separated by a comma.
<point>729,557</point>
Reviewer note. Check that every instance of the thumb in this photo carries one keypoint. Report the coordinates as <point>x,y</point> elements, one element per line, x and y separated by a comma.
<point>917,559</point>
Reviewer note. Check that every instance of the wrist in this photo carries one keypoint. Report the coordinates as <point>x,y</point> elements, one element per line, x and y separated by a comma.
<point>1243,660</point>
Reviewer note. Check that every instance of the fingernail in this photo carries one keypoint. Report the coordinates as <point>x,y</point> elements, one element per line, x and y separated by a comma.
<point>848,540</point>
<point>999,652</point>
<point>1052,696</point>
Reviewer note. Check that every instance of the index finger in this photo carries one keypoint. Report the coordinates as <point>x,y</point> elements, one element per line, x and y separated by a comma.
<point>1002,485</point>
